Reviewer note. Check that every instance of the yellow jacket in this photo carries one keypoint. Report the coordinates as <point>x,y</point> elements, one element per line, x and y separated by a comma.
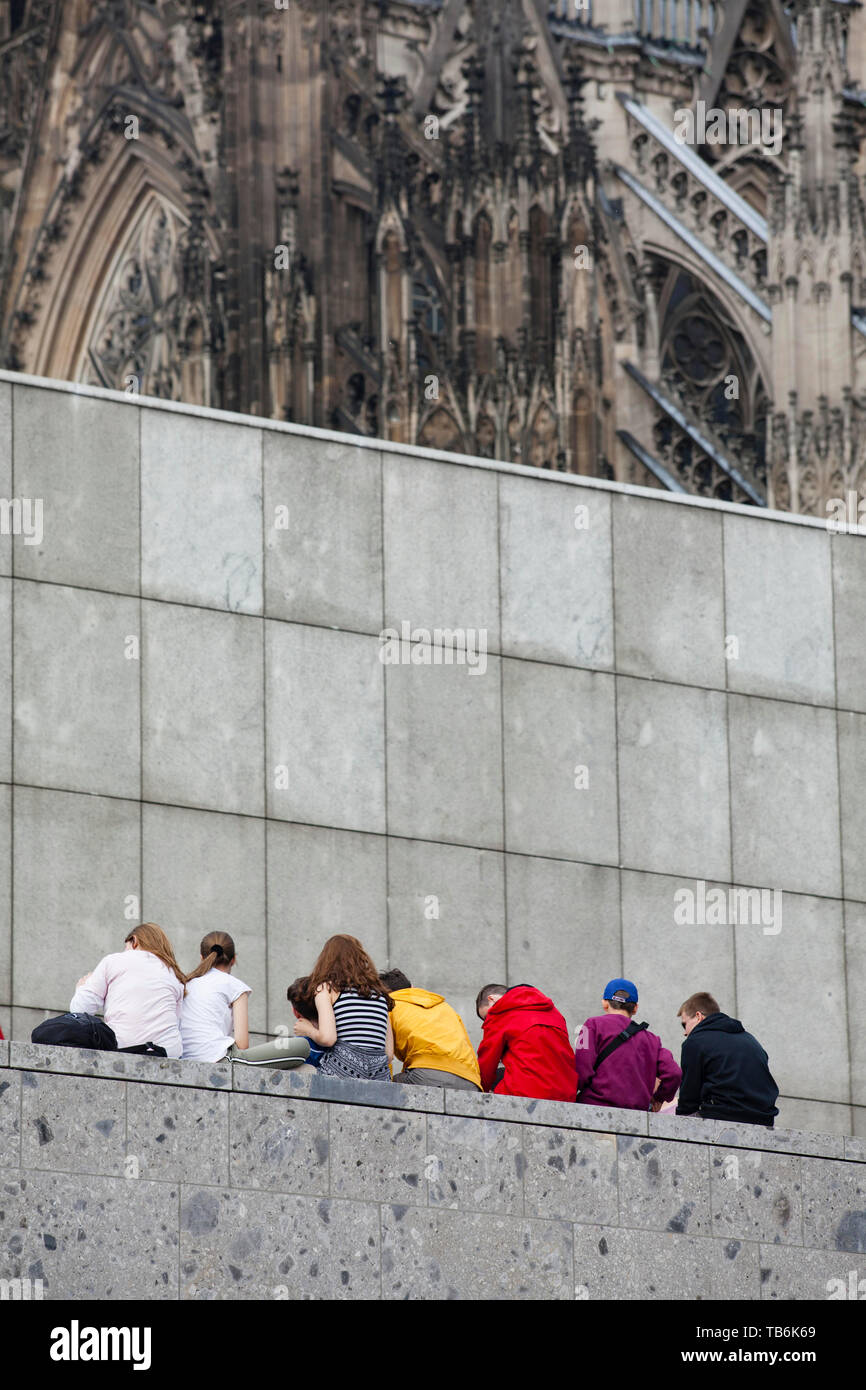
<point>429,1033</point>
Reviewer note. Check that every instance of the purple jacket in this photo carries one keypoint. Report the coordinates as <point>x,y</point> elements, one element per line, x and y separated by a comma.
<point>626,1078</point>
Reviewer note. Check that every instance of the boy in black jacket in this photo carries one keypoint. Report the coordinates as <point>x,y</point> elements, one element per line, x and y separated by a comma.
<point>725,1071</point>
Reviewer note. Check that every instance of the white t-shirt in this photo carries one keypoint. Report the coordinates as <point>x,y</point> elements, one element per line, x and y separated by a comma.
<point>206,1018</point>
<point>138,996</point>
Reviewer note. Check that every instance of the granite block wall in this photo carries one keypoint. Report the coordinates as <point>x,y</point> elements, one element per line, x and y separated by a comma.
<point>196,727</point>
<point>126,1177</point>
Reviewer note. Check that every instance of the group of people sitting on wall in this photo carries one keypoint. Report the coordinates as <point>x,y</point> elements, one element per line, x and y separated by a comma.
<point>352,1022</point>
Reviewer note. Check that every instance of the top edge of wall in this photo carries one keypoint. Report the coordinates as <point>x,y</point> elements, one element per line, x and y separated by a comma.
<point>412,450</point>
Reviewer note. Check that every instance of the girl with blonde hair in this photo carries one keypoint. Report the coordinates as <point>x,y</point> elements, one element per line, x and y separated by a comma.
<point>139,991</point>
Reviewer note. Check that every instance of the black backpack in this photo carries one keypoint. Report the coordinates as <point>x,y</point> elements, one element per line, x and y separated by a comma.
<point>76,1030</point>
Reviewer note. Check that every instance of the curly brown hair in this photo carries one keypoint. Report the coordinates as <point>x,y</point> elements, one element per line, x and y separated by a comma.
<point>344,964</point>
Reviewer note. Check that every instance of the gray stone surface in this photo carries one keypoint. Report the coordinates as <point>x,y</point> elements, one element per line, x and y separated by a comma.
<point>177,1134</point>
<point>852,779</point>
<point>202,709</point>
<point>74,1124</point>
<point>283,1148</point>
<point>784,817</point>
<point>67,642</point>
<point>76,861</point>
<point>319,682</point>
<point>779,606</point>
<point>266,1245</point>
<point>558,1113</point>
<point>809,1276</point>
<point>201,512</point>
<point>563,931</point>
<point>5,684</point>
<point>378,1155</point>
<point>557,599</point>
<point>849,616</point>
<point>570,1175</point>
<point>664,1186</point>
<point>446,907</point>
<point>320,882</point>
<point>809,947</point>
<point>615,1264</point>
<point>81,1061</point>
<point>855,969</point>
<point>673,779</point>
<point>855,1149</point>
<point>89,1238</point>
<point>471,1256</point>
<point>10,1117</point>
<point>834,1205</point>
<point>225,893</point>
<point>823,1117</point>
<point>444,753</point>
<point>756,1196</point>
<point>441,550</point>
<point>5,895</point>
<point>796,1141</point>
<point>325,565</point>
<point>560,770</point>
<point>80,455</point>
<point>669,592</point>
<point>472,1165</point>
<point>6,469</point>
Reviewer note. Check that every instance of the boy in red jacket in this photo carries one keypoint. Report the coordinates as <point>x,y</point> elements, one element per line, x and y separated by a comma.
<point>527,1033</point>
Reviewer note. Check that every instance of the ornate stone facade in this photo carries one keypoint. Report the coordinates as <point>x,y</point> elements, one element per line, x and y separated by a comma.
<point>471,224</point>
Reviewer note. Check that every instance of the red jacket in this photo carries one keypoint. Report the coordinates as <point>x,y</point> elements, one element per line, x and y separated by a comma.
<point>526,1033</point>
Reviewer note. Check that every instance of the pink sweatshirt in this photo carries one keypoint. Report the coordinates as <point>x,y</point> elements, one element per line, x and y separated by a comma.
<point>138,996</point>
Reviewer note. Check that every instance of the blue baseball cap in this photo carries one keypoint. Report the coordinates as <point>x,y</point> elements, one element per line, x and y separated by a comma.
<point>621,987</point>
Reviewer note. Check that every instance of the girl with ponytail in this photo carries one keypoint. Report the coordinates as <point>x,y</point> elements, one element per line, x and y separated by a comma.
<point>214,1018</point>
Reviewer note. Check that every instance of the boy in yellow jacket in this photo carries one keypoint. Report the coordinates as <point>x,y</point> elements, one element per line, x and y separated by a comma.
<point>429,1038</point>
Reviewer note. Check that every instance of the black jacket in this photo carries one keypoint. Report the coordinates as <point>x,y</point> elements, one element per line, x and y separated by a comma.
<point>725,1074</point>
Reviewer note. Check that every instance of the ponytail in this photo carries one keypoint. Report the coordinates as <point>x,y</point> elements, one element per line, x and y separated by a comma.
<point>217,948</point>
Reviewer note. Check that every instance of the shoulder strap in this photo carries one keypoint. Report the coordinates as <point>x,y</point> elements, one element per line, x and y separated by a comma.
<point>630,1031</point>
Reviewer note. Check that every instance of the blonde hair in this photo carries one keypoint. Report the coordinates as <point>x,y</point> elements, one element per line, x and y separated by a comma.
<point>217,948</point>
<point>152,938</point>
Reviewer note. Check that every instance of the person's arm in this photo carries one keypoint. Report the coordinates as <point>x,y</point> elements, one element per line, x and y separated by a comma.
<point>241,1020</point>
<point>389,1042</point>
<point>325,1032</point>
<point>690,1085</point>
<point>489,1055</point>
<point>585,1053</point>
<point>90,992</point>
<point>668,1078</point>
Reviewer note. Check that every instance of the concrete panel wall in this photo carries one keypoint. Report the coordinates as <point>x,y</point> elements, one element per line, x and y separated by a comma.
<point>125,1177</point>
<point>196,726</point>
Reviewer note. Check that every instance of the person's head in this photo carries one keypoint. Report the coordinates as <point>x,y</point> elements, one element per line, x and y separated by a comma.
<point>298,995</point>
<point>150,937</point>
<point>217,948</point>
<point>395,979</point>
<point>344,964</point>
<point>620,997</point>
<point>696,1008</point>
<point>487,997</point>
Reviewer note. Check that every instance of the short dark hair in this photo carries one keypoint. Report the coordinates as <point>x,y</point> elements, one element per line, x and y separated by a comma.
<point>488,990</point>
<point>395,979</point>
<point>698,1004</point>
<point>619,1001</point>
<point>298,996</point>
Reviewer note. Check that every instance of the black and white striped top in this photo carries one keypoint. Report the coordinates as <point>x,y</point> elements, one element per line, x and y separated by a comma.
<point>361,1022</point>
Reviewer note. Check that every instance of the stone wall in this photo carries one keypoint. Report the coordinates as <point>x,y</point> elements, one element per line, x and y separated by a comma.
<point>196,727</point>
<point>126,1177</point>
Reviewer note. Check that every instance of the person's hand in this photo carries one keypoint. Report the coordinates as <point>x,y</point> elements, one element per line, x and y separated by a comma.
<point>82,981</point>
<point>656,1105</point>
<point>303,1029</point>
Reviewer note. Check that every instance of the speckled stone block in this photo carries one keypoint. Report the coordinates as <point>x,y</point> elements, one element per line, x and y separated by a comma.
<point>559,1113</point>
<point>668,1125</point>
<point>473,1165</point>
<point>855,1149</point>
<point>178,1134</point>
<point>834,1205</point>
<point>610,1263</point>
<point>283,1148</point>
<point>756,1196</point>
<point>378,1093</point>
<point>89,1237</point>
<point>809,1275</point>
<point>797,1141</point>
<point>81,1061</point>
<point>569,1174</point>
<point>10,1117</point>
<point>268,1081</point>
<point>74,1124</point>
<point>460,1255</point>
<point>664,1186</point>
<point>266,1245</point>
<point>378,1156</point>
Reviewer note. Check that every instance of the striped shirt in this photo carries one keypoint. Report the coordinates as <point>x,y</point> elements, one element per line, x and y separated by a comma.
<point>361,1022</point>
